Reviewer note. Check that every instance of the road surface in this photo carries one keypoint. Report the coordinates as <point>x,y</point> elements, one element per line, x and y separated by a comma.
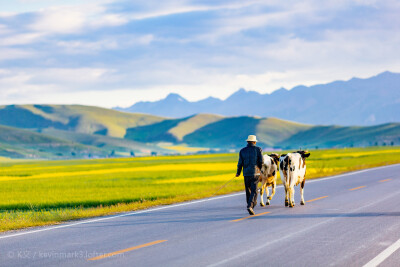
<point>348,220</point>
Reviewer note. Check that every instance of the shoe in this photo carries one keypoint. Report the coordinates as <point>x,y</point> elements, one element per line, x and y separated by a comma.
<point>251,211</point>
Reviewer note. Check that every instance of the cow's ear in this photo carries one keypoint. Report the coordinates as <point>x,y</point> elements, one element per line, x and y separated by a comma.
<point>306,155</point>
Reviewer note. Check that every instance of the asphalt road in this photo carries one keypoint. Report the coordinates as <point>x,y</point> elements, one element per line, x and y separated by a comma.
<point>349,220</point>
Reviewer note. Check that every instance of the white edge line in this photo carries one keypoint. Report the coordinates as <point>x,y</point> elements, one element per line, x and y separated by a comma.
<point>179,205</point>
<point>383,255</point>
<point>118,216</point>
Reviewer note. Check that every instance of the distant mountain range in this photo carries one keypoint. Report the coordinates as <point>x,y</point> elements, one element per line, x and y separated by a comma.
<point>73,131</point>
<point>371,101</point>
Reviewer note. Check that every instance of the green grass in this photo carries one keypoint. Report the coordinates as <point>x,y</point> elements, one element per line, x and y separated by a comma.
<point>38,193</point>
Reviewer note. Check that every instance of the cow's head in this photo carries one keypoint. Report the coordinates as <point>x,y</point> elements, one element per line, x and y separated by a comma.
<point>304,154</point>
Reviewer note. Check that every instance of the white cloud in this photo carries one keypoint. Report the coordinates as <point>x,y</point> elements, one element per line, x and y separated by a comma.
<point>59,20</point>
<point>8,14</point>
<point>51,80</point>
<point>75,19</point>
<point>288,16</point>
<point>67,78</point>
<point>107,43</point>
<point>367,2</point>
<point>26,6</point>
<point>15,87</point>
<point>106,20</point>
<point>4,29</point>
<point>20,39</point>
<point>168,8</point>
<point>13,53</point>
<point>82,47</point>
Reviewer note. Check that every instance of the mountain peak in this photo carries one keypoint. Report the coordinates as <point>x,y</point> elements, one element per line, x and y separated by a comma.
<point>280,90</point>
<point>175,97</point>
<point>241,91</point>
<point>209,100</point>
<point>385,74</point>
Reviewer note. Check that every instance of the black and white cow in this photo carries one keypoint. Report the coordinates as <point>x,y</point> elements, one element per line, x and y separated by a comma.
<point>269,172</point>
<point>293,172</point>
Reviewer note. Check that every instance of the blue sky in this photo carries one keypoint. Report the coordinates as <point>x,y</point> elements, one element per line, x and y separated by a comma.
<point>114,53</point>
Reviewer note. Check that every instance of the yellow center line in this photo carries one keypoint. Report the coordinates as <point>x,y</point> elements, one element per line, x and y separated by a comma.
<point>357,188</point>
<point>316,199</point>
<point>385,180</point>
<point>251,216</point>
<point>125,250</point>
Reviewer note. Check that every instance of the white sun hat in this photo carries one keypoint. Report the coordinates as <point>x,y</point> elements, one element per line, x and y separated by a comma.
<point>251,138</point>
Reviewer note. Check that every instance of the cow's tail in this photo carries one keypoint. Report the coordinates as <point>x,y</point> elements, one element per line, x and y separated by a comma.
<point>287,168</point>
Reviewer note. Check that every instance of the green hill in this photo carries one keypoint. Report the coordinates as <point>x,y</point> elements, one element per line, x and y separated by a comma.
<point>158,132</point>
<point>76,118</point>
<point>231,132</point>
<point>121,147</point>
<point>170,130</point>
<point>192,124</point>
<point>337,136</point>
<point>272,131</point>
<point>19,143</point>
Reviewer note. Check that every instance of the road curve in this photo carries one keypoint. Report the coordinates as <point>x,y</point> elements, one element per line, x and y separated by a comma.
<point>348,220</point>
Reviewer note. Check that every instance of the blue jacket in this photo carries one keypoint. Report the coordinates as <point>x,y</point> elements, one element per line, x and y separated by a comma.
<point>250,157</point>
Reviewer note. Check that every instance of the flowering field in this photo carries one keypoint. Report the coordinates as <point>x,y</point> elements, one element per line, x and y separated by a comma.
<point>37,193</point>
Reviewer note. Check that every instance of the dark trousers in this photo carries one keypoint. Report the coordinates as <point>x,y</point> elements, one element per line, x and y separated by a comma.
<point>251,185</point>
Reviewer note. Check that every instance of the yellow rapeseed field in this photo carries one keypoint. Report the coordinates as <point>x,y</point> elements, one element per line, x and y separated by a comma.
<point>47,192</point>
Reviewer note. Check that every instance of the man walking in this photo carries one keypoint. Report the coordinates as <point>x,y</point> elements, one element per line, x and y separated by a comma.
<point>251,160</point>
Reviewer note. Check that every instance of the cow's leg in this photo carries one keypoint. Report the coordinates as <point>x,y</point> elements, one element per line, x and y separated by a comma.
<point>302,192</point>
<point>262,189</point>
<point>286,195</point>
<point>273,190</point>
<point>267,192</point>
<point>291,197</point>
